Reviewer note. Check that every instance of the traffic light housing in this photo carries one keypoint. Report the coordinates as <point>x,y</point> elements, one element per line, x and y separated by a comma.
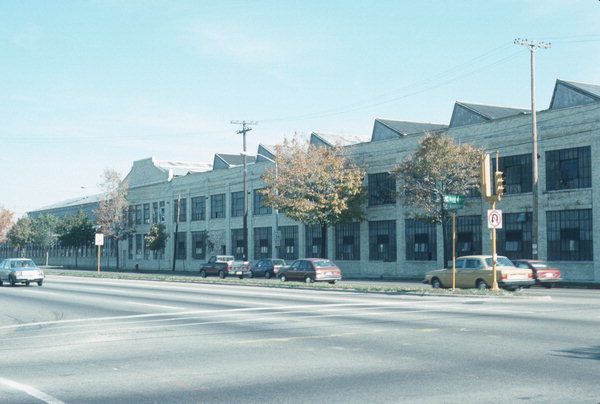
<point>499,180</point>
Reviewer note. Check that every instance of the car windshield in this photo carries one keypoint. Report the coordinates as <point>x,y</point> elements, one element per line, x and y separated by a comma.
<point>502,262</point>
<point>539,265</point>
<point>22,264</point>
<point>323,264</point>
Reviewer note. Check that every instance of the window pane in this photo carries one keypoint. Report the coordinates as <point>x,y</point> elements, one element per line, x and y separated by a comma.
<point>382,240</point>
<point>347,241</point>
<point>569,235</point>
<point>382,187</point>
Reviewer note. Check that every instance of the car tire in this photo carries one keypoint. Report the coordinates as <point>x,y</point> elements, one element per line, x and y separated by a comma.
<point>308,279</point>
<point>267,275</point>
<point>283,278</point>
<point>202,273</point>
<point>332,282</point>
<point>222,274</point>
<point>12,281</point>
<point>40,283</point>
<point>27,283</point>
<point>1,283</point>
<point>547,285</point>
<point>481,285</point>
<point>436,283</point>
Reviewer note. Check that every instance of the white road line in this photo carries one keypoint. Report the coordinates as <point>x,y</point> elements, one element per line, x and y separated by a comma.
<point>157,305</point>
<point>33,392</point>
<point>150,315</point>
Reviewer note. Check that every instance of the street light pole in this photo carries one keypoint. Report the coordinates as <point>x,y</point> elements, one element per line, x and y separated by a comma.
<point>533,45</point>
<point>243,131</point>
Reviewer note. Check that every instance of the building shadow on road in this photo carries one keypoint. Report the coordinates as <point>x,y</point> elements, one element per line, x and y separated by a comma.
<point>581,353</point>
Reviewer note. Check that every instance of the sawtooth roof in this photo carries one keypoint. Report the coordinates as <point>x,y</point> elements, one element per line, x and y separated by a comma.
<point>466,113</point>
<point>390,129</point>
<point>231,160</point>
<point>571,93</point>
<point>334,139</point>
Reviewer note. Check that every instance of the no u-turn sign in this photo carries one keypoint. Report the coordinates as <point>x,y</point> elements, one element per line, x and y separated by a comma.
<point>494,219</point>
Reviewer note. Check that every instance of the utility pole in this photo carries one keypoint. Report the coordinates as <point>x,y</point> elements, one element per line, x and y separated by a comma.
<point>176,231</point>
<point>533,45</point>
<point>243,131</point>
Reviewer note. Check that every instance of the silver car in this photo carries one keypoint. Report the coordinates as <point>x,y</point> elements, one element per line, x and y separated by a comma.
<point>20,270</point>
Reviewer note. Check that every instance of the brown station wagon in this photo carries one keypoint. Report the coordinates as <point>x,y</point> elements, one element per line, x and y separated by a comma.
<point>311,270</point>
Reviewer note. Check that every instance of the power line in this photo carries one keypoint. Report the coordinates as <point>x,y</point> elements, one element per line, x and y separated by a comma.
<point>455,73</point>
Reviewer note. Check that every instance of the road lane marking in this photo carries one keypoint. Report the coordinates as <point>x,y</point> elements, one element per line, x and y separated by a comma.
<point>287,339</point>
<point>33,392</point>
<point>182,313</point>
<point>162,306</point>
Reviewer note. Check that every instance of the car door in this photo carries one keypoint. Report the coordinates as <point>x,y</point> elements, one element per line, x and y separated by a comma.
<point>460,267</point>
<point>298,269</point>
<point>292,272</point>
<point>6,270</point>
<point>262,267</point>
<point>307,270</point>
<point>474,269</point>
<point>269,265</point>
<point>464,274</point>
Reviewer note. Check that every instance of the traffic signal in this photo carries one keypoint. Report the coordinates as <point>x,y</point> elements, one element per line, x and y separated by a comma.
<point>499,179</point>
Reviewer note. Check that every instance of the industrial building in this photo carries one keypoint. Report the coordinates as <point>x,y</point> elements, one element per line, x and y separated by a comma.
<point>387,244</point>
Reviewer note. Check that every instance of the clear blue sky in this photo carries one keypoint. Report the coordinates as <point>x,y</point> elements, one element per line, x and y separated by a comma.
<point>89,85</point>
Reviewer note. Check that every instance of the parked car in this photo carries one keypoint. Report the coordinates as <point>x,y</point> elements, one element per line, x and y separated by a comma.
<point>311,270</point>
<point>475,271</point>
<point>225,265</point>
<point>267,267</point>
<point>20,270</point>
<point>543,274</point>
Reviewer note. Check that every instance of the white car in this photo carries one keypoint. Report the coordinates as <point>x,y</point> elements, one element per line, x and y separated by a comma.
<point>20,270</point>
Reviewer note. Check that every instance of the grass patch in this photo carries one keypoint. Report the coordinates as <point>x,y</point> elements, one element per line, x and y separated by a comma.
<point>184,277</point>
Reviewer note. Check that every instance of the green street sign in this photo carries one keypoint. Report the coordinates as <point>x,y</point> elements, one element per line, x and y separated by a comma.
<point>457,199</point>
<point>453,202</point>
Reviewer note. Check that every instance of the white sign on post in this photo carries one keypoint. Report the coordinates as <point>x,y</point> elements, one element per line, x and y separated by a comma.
<point>99,239</point>
<point>494,219</point>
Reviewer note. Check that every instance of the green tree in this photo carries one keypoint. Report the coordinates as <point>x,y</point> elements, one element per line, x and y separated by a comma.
<point>6,222</point>
<point>314,185</point>
<point>439,167</point>
<point>76,231</point>
<point>156,239</point>
<point>45,235</point>
<point>111,214</point>
<point>21,234</point>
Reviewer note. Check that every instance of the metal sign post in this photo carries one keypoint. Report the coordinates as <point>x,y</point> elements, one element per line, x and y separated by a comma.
<point>494,222</point>
<point>453,203</point>
<point>99,241</point>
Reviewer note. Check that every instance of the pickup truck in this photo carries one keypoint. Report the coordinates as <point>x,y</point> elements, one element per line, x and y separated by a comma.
<point>225,265</point>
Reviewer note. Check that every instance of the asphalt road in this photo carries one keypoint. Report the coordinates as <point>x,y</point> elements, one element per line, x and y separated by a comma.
<point>81,340</point>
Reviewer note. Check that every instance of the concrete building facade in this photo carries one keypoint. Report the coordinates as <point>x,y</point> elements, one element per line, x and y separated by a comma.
<point>389,243</point>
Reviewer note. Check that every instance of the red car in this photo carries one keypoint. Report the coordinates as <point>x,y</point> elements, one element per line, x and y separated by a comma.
<point>311,270</point>
<point>543,273</point>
